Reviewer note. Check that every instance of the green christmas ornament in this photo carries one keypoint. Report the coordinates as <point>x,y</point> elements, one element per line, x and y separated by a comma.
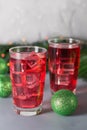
<point>64,102</point>
<point>5,86</point>
<point>3,66</point>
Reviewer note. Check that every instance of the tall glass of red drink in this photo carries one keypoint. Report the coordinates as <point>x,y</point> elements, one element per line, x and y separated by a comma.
<point>27,72</point>
<point>64,59</point>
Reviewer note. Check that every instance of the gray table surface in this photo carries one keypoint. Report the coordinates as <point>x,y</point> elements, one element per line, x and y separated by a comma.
<point>47,120</point>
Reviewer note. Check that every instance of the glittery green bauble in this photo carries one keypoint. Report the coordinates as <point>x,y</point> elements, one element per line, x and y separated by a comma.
<point>3,66</point>
<point>64,102</point>
<point>5,86</point>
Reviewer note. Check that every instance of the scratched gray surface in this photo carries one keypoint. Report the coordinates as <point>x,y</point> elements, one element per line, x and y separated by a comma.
<point>47,120</point>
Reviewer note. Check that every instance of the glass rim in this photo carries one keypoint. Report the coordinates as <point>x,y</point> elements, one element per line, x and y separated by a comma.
<point>19,47</point>
<point>69,41</point>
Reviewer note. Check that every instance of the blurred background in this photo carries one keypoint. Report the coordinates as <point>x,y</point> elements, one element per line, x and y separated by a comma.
<point>35,20</point>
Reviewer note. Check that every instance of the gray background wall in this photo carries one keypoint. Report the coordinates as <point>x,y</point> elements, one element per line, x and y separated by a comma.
<point>37,19</point>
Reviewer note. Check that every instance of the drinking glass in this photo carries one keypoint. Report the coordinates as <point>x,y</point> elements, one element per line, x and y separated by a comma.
<point>27,72</point>
<point>64,59</point>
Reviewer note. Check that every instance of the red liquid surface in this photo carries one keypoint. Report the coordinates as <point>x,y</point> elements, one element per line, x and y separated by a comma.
<point>27,76</point>
<point>63,67</point>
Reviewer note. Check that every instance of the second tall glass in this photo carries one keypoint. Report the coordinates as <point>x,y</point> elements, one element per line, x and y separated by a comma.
<point>64,59</point>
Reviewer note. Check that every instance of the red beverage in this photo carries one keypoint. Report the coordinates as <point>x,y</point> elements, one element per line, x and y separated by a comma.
<point>27,72</point>
<point>63,66</point>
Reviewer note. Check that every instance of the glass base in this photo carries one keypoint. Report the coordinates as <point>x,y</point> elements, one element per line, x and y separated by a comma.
<point>28,112</point>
